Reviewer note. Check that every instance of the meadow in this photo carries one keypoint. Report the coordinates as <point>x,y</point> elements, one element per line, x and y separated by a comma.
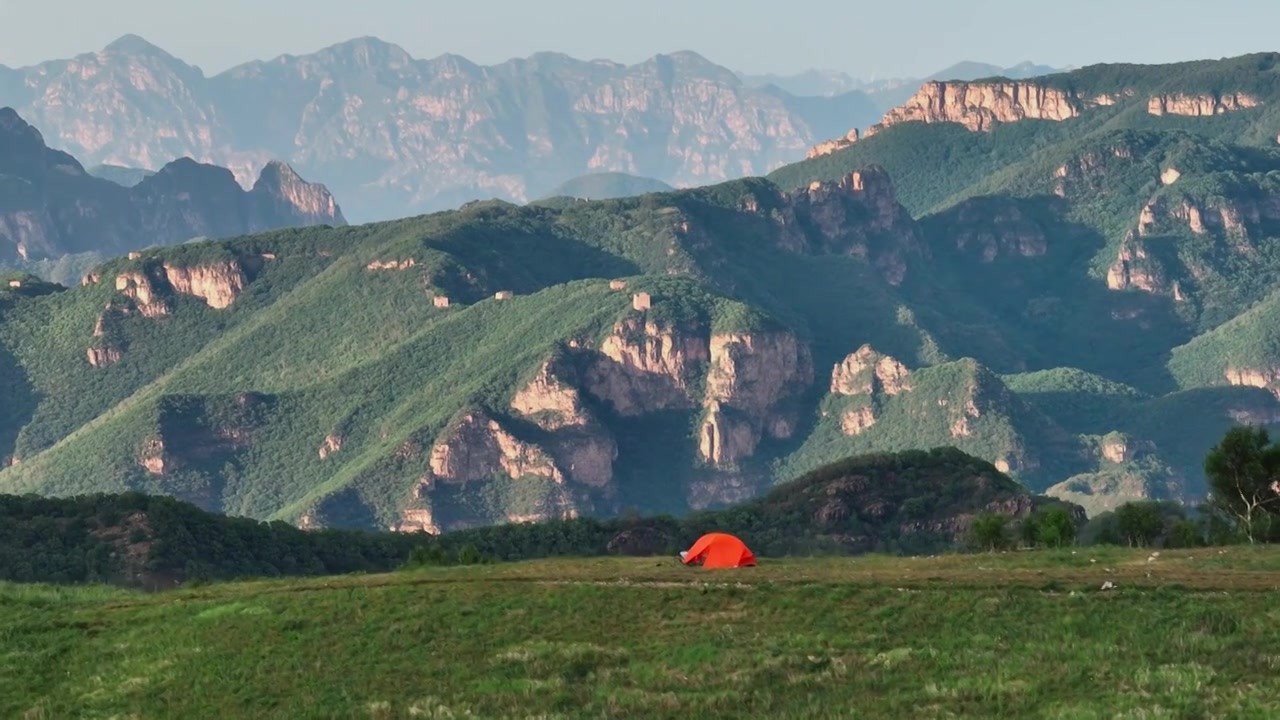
<point>1180,634</point>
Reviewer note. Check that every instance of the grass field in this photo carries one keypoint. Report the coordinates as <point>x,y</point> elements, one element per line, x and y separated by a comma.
<point>1190,634</point>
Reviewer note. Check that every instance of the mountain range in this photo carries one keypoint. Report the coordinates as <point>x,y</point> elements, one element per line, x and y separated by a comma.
<point>56,217</point>
<point>393,136</point>
<point>1072,277</point>
<point>890,92</point>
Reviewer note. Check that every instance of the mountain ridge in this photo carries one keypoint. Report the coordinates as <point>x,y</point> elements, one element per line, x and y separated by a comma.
<point>529,123</point>
<point>52,207</point>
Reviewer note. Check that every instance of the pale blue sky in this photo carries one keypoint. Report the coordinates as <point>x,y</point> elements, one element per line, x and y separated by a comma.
<point>880,37</point>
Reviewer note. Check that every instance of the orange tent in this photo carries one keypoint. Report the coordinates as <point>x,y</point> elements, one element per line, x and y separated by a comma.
<point>719,550</point>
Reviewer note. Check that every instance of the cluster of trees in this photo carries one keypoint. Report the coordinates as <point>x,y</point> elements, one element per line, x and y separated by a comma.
<point>130,537</point>
<point>1243,506</point>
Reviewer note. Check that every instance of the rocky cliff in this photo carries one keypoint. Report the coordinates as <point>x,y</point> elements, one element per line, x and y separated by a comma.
<point>396,136</point>
<point>857,215</point>
<point>50,206</point>
<point>980,105</point>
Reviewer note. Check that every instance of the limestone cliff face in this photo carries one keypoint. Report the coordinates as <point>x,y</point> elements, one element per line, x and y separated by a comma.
<point>724,439</point>
<point>867,374</point>
<point>1118,448</point>
<point>750,380</point>
<point>140,288</point>
<point>867,371</point>
<point>578,442</point>
<point>151,287</point>
<point>858,215</point>
<point>1200,105</point>
<point>642,367</point>
<point>1237,225</point>
<point>1240,218</point>
<point>1267,378</point>
<point>550,401</point>
<point>479,448</point>
<point>978,106</point>
<point>218,285</point>
<point>63,209</point>
<point>756,371</point>
<point>1135,269</point>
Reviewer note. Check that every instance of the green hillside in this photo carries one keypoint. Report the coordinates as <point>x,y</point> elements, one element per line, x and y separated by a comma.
<point>317,376</point>
<point>990,635</point>
<point>1046,285</point>
<point>119,174</point>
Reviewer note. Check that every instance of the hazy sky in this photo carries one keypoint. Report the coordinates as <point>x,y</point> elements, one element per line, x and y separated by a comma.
<point>877,38</point>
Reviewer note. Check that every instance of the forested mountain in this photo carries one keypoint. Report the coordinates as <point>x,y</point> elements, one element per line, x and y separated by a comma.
<point>1081,300</point>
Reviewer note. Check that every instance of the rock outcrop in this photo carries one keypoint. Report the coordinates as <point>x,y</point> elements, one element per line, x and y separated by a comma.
<point>858,215</point>
<point>1135,269</point>
<point>724,439</point>
<point>867,372</point>
<point>867,375</point>
<point>641,367</point>
<point>103,356</point>
<point>749,383</point>
<point>577,440</point>
<point>66,210</point>
<point>1241,217</point>
<point>1200,105</point>
<point>218,285</point>
<point>1267,378</point>
<point>141,289</point>
<point>979,106</point>
<point>478,448</point>
<point>151,287</point>
<point>331,445</point>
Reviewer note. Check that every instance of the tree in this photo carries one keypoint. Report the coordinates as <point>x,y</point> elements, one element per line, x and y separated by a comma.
<point>1140,523</point>
<point>1054,527</point>
<point>990,531</point>
<point>1244,478</point>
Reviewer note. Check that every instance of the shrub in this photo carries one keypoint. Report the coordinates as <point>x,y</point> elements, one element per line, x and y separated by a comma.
<point>990,531</point>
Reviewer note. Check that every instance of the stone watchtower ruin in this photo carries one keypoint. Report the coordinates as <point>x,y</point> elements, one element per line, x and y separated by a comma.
<point>641,301</point>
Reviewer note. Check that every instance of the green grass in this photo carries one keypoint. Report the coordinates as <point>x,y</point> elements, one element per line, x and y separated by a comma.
<point>982,636</point>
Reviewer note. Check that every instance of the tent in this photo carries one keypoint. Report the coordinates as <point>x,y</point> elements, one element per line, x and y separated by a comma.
<point>719,550</point>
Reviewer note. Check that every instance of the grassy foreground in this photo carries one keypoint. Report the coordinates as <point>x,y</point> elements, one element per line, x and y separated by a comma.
<point>1189,634</point>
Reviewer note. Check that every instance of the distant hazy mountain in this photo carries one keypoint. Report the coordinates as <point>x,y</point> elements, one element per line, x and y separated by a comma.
<point>888,92</point>
<point>602,186</point>
<point>50,207</point>
<point>120,175</point>
<point>393,135</point>
<point>808,83</point>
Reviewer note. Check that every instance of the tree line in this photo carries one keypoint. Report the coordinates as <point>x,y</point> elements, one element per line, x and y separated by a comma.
<point>1242,506</point>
